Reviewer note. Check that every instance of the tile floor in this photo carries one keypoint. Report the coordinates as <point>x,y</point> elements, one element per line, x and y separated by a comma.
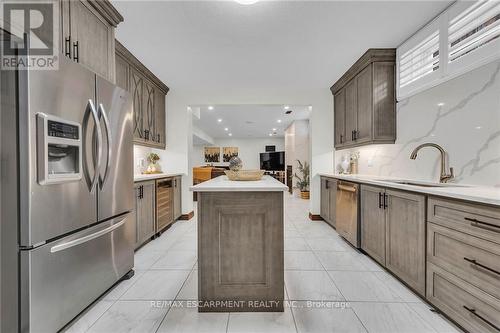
<point>331,287</point>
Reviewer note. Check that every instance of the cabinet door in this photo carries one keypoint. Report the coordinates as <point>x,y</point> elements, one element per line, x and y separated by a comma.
<point>325,199</point>
<point>137,212</point>
<point>332,204</point>
<point>177,197</point>
<point>405,237</point>
<point>351,110</point>
<point>365,105</point>
<point>146,222</point>
<point>148,111</point>
<point>373,223</point>
<point>92,39</point>
<point>136,83</point>
<point>122,72</point>
<point>160,113</point>
<point>384,101</point>
<point>339,117</point>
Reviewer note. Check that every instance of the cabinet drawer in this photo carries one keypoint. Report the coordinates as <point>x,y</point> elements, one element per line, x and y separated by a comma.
<point>477,220</point>
<point>472,259</point>
<point>470,307</point>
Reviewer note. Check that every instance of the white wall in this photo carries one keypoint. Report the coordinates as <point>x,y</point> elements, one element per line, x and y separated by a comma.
<point>297,144</point>
<point>248,150</point>
<point>467,126</point>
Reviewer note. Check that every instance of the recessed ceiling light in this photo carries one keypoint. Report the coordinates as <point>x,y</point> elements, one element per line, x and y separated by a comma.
<point>286,107</point>
<point>274,129</point>
<point>189,108</point>
<point>219,120</point>
<point>230,134</point>
<point>226,129</point>
<point>210,108</point>
<point>246,2</point>
<point>478,127</point>
<point>440,104</point>
<point>270,134</point>
<point>310,107</point>
<point>279,120</point>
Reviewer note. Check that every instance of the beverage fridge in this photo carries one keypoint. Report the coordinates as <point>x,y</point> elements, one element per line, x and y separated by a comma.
<point>67,229</point>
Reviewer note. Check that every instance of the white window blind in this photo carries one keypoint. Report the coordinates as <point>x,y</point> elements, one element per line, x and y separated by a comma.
<point>464,37</point>
<point>419,61</point>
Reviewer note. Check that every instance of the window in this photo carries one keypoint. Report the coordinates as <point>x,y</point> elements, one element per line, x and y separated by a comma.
<point>464,37</point>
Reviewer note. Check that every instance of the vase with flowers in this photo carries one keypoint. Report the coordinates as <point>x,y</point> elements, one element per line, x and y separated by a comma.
<point>154,166</point>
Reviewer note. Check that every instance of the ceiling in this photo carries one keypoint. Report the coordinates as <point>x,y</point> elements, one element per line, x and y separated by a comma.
<point>222,48</point>
<point>248,121</point>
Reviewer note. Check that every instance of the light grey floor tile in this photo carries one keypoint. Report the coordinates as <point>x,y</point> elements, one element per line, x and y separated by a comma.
<point>436,321</point>
<point>292,233</point>
<point>144,258</point>
<point>157,285</point>
<point>330,243</point>
<point>189,290</point>
<point>390,318</point>
<point>369,263</point>
<point>272,322</point>
<point>311,285</point>
<point>399,288</point>
<point>301,260</point>
<point>296,244</point>
<point>186,243</point>
<point>340,261</point>
<point>130,316</point>
<point>174,259</point>
<point>189,320</point>
<point>119,289</point>
<point>330,317</point>
<point>363,286</point>
<point>89,317</point>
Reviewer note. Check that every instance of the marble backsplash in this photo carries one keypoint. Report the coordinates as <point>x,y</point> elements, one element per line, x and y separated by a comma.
<point>462,115</point>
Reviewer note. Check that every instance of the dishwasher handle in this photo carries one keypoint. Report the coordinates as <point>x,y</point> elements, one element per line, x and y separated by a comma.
<point>346,188</point>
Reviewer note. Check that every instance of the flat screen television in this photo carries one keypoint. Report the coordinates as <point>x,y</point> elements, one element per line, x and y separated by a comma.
<point>272,161</point>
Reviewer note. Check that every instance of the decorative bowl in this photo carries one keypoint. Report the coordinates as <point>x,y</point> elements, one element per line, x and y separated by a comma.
<point>245,175</point>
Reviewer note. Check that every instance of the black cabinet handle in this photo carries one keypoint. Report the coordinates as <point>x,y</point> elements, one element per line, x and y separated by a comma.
<point>146,134</point>
<point>385,201</point>
<point>483,225</point>
<point>141,191</point>
<point>76,52</point>
<point>474,312</point>
<point>341,137</point>
<point>327,184</point>
<point>379,199</point>
<point>159,138</point>
<point>475,262</point>
<point>352,135</point>
<point>67,47</point>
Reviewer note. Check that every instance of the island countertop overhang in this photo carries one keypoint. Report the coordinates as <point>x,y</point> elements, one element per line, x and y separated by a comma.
<point>223,184</point>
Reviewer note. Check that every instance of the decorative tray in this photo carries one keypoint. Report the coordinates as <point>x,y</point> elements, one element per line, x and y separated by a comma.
<point>246,175</point>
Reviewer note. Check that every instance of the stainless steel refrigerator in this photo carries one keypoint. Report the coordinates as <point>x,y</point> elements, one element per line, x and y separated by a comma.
<point>67,178</point>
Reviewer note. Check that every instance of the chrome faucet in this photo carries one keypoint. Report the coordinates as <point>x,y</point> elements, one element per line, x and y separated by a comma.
<point>445,177</point>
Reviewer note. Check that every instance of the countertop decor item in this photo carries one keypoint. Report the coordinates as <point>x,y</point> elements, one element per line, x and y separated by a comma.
<point>235,163</point>
<point>303,182</point>
<point>154,166</point>
<point>353,164</point>
<point>245,175</point>
<point>345,165</point>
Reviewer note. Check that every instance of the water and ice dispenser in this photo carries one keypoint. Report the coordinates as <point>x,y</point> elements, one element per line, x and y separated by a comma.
<point>59,149</point>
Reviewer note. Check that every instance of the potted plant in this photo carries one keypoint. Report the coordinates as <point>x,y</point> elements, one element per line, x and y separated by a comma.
<point>153,166</point>
<point>303,181</point>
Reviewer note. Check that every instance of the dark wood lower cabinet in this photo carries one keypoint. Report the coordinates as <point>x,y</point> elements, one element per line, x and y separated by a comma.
<point>144,211</point>
<point>328,199</point>
<point>373,222</point>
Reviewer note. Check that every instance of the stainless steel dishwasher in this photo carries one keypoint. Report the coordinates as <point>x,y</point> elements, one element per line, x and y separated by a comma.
<point>347,212</point>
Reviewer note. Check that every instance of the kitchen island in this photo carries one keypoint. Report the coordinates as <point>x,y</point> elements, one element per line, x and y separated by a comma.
<point>240,245</point>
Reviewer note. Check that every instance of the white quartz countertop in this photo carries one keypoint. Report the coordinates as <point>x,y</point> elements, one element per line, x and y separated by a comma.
<point>143,177</point>
<point>223,184</point>
<point>480,194</point>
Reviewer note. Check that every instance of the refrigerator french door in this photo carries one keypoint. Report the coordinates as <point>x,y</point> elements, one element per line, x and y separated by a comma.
<point>75,153</point>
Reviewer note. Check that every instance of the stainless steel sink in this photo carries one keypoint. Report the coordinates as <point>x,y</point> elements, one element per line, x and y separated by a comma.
<point>423,184</point>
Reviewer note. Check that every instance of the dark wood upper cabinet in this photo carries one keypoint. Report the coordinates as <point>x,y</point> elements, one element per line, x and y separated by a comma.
<point>364,101</point>
<point>88,34</point>
<point>148,94</point>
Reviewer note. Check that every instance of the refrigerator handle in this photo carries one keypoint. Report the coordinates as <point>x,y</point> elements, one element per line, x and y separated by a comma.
<point>92,182</point>
<point>102,111</point>
<point>87,238</point>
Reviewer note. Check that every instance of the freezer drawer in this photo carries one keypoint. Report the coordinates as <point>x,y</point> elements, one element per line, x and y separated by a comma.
<point>65,276</point>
